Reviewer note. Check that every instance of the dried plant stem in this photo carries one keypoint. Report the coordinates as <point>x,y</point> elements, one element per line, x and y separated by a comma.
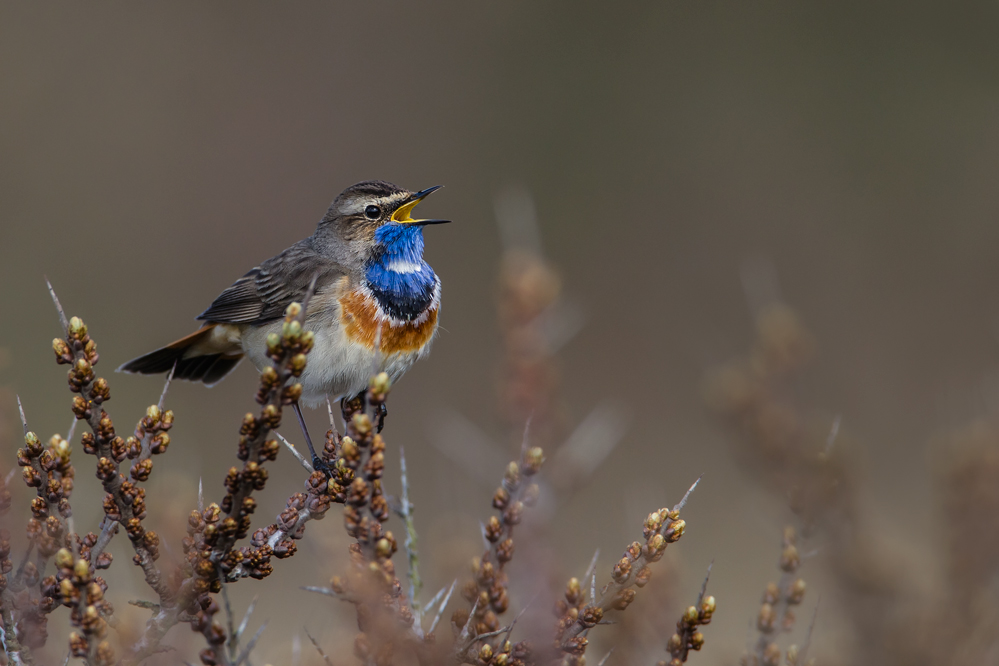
<point>159,624</point>
<point>687,636</point>
<point>306,465</point>
<point>488,588</point>
<point>577,617</point>
<point>108,531</point>
<point>52,509</point>
<point>412,554</point>
<point>16,653</point>
<point>315,644</point>
<point>79,351</point>
<point>244,656</point>
<point>276,391</point>
<point>776,615</point>
<point>281,534</point>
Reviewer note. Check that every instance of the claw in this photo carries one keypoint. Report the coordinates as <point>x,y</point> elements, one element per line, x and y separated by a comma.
<point>382,413</point>
<point>320,465</point>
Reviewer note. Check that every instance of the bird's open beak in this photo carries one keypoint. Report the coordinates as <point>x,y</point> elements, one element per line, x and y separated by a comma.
<point>402,213</point>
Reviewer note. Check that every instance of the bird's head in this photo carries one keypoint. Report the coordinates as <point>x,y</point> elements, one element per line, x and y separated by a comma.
<point>369,217</point>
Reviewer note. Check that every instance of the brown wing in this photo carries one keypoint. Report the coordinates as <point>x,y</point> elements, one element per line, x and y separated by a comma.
<point>263,294</point>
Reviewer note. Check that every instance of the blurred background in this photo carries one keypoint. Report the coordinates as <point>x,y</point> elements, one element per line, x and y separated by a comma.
<point>682,160</point>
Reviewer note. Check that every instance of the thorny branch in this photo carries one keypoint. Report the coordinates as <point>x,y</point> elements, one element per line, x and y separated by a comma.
<point>388,618</point>
<point>487,590</point>
<point>577,617</point>
<point>687,636</point>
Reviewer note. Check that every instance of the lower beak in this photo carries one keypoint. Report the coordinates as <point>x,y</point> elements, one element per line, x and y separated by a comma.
<point>402,213</point>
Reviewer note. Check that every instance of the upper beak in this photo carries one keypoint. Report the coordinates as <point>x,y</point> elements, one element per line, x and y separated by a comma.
<point>402,213</point>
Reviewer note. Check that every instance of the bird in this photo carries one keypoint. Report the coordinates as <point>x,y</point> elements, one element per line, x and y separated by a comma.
<point>374,308</point>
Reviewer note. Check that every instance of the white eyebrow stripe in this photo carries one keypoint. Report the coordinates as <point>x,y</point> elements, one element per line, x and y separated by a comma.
<point>401,266</point>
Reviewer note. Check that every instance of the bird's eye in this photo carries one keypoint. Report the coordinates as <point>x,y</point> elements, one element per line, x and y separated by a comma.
<point>372,212</point>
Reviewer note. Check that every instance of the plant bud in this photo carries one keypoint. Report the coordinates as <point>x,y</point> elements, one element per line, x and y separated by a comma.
<point>652,523</point>
<point>62,448</point>
<point>512,476</point>
<point>78,645</point>
<point>797,592</point>
<point>380,384</point>
<point>622,570</point>
<point>766,619</point>
<point>297,364</point>
<point>573,591</point>
<point>361,423</point>
<point>623,599</point>
<point>77,329</point>
<point>60,347</point>
<point>63,558</point>
<point>675,531</point>
<point>269,376</point>
<point>771,655</point>
<point>708,606</point>
<point>501,499</point>
<point>33,444</point>
<point>533,460</point>
<point>348,448</point>
<point>31,478</point>
<point>591,616</point>
<point>789,559</point>
<point>576,646</point>
<point>82,570</point>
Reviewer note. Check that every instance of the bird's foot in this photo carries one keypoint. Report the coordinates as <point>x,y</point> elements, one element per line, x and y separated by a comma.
<point>380,413</point>
<point>320,465</point>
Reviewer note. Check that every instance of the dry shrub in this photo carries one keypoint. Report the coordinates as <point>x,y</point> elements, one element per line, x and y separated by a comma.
<point>892,622</point>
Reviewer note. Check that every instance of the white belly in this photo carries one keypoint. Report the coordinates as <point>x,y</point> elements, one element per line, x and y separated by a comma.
<point>338,367</point>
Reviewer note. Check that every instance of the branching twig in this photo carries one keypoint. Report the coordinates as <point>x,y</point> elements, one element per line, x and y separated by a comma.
<point>440,611</point>
<point>315,643</point>
<point>245,654</point>
<point>298,456</point>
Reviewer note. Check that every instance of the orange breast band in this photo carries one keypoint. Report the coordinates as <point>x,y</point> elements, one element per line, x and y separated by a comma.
<point>364,323</point>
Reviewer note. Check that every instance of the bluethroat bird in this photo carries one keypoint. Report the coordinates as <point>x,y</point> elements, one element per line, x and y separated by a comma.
<point>374,306</point>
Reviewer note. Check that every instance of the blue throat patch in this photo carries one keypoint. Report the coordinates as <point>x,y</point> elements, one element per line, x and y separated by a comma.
<point>399,278</point>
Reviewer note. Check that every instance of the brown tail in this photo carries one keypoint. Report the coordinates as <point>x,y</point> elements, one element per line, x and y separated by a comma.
<point>197,357</point>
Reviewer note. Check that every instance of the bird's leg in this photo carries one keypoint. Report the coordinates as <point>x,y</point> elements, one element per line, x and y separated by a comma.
<point>318,463</point>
